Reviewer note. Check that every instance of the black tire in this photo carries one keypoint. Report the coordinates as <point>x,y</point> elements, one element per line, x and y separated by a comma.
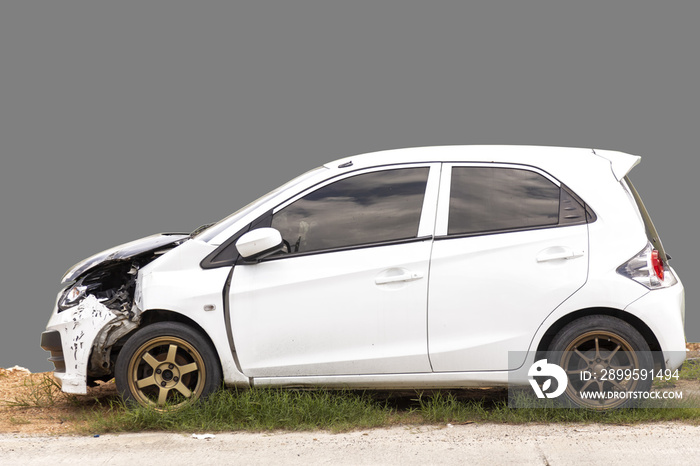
<point>167,363</point>
<point>597,345</point>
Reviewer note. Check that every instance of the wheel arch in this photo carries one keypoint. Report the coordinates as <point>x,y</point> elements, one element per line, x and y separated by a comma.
<point>631,319</point>
<point>153,316</point>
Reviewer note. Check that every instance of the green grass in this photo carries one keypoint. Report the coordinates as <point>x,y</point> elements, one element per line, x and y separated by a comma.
<point>690,370</point>
<point>275,409</point>
<point>279,409</point>
<point>253,410</point>
<point>446,408</point>
<point>260,410</point>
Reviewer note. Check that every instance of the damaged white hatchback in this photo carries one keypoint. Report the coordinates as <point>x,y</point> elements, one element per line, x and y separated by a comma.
<point>434,267</point>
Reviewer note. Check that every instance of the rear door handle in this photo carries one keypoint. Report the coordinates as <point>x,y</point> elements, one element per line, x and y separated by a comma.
<point>558,253</point>
<point>404,277</point>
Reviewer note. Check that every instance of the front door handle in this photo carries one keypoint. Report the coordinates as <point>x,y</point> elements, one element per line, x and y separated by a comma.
<point>404,277</point>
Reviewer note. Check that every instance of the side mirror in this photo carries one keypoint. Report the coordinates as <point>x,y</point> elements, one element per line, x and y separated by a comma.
<point>260,243</point>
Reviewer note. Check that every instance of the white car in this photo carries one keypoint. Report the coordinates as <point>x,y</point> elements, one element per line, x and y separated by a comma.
<point>432,267</point>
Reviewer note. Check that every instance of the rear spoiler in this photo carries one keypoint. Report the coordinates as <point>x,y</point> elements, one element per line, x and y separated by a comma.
<point>620,162</point>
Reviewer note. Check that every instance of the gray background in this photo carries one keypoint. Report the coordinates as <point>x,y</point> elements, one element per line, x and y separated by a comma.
<point>123,119</point>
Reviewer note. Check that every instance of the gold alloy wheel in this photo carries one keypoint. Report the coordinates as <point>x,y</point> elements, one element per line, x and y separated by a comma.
<point>166,369</point>
<point>611,362</point>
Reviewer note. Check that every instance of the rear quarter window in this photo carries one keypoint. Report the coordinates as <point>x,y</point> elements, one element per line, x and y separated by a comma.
<point>495,199</point>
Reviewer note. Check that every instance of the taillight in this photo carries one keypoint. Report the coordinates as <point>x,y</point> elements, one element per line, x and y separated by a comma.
<point>648,269</point>
<point>657,264</point>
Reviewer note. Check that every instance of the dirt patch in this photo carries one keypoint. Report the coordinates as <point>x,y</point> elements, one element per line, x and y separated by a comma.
<point>693,350</point>
<point>33,403</point>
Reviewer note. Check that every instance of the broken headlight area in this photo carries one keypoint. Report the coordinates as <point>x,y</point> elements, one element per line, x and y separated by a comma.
<point>110,276</point>
<point>111,284</point>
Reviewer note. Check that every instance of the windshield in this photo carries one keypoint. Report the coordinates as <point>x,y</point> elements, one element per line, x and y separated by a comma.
<point>207,234</point>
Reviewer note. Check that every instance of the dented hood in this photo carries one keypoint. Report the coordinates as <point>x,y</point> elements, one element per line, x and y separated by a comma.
<point>148,244</point>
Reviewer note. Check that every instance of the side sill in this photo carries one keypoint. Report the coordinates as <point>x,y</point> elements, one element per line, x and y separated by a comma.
<point>391,381</point>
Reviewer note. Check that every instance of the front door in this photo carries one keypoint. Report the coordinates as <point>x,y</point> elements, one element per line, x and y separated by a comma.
<point>349,293</point>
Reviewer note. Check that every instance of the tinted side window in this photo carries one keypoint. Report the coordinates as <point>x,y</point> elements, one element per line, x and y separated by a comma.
<point>490,199</point>
<point>368,208</point>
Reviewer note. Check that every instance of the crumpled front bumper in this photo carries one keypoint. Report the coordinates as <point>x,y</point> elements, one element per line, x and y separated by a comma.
<point>70,336</point>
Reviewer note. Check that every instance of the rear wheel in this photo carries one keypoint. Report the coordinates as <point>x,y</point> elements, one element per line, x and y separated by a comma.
<point>167,363</point>
<point>605,360</point>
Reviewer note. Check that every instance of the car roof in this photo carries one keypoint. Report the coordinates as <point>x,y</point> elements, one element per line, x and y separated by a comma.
<point>545,157</point>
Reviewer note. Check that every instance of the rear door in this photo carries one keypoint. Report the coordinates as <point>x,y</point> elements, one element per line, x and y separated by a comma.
<point>511,245</point>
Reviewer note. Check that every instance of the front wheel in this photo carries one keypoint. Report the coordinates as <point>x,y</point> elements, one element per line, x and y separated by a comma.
<point>167,363</point>
<point>606,360</point>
